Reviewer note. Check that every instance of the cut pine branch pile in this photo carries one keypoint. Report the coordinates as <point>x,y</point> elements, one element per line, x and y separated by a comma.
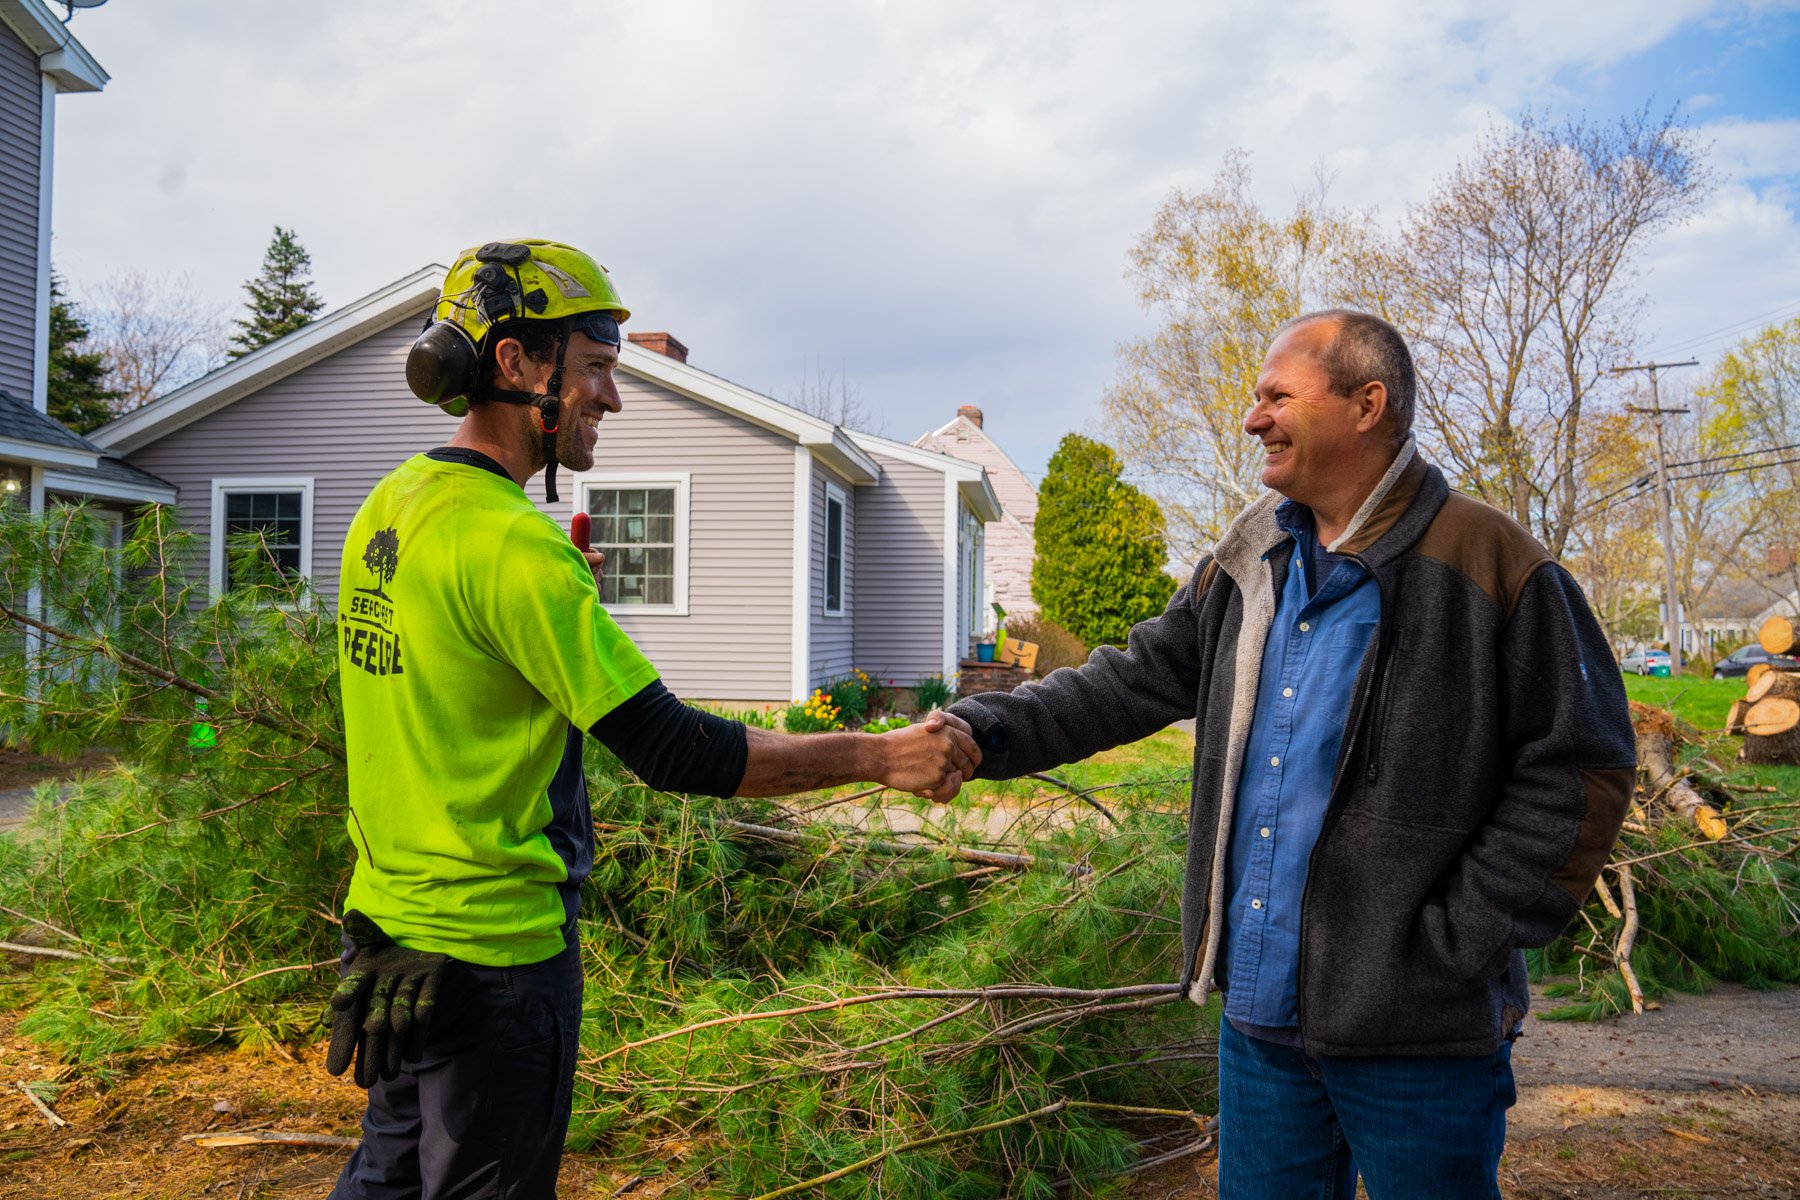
<point>1702,885</point>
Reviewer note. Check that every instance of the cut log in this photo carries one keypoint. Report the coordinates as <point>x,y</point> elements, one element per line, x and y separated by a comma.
<point>1660,782</point>
<point>1734,719</point>
<point>1772,723</point>
<point>1774,683</point>
<point>1777,635</point>
<point>1754,674</point>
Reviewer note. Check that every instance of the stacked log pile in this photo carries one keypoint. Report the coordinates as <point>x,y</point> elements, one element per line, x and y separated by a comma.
<point>1769,714</point>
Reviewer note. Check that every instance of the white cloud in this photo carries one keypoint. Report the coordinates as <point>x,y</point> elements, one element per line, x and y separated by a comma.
<point>932,196</point>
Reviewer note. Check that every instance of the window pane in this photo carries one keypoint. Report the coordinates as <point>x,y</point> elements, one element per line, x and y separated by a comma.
<point>660,561</point>
<point>634,529</point>
<point>633,501</point>
<point>660,531</point>
<point>602,503</point>
<point>661,590</point>
<point>662,502</point>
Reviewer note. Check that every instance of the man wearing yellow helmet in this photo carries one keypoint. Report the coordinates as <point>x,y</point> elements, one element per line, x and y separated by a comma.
<point>474,654</point>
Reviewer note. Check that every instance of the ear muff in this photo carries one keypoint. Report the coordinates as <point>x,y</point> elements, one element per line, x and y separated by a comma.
<point>441,366</point>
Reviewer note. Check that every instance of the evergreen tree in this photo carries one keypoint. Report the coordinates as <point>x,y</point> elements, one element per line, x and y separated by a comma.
<point>76,380</point>
<point>281,297</point>
<point>1100,546</point>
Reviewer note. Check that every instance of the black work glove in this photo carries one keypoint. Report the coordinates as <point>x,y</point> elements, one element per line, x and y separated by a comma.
<point>380,1011</point>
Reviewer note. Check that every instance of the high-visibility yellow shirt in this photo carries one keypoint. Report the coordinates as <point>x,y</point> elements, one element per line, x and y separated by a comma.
<point>470,639</point>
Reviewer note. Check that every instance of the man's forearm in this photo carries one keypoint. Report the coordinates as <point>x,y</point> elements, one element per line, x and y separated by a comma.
<point>782,764</point>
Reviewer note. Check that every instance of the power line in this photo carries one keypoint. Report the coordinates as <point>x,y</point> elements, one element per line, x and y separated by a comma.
<point>1687,344</point>
<point>1671,598</point>
<point>1695,462</point>
<point>1735,470</point>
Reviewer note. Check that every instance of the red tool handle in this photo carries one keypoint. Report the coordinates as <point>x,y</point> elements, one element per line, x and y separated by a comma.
<point>580,526</point>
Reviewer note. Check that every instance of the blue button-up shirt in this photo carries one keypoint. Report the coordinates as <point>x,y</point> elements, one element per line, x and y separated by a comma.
<point>1321,631</point>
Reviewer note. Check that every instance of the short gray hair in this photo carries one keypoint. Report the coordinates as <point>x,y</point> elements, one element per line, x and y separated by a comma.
<point>1366,349</point>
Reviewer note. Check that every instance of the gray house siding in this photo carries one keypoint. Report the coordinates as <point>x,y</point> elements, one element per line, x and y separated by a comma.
<point>833,637</point>
<point>347,420</point>
<point>21,131</point>
<point>899,576</point>
<point>734,644</point>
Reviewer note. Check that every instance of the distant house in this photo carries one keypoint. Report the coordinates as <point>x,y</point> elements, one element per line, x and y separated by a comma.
<point>753,551</point>
<point>1006,560</point>
<point>39,458</point>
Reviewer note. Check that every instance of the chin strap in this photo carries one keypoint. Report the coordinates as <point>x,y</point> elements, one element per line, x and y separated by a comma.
<point>550,412</point>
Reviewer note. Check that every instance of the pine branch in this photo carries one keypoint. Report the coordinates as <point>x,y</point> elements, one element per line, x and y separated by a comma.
<point>125,658</point>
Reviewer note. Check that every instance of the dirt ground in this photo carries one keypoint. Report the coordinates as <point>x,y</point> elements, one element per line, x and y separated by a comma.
<point>1699,1099</point>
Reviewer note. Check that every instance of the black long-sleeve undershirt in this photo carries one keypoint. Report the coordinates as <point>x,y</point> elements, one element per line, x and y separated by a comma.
<point>674,748</point>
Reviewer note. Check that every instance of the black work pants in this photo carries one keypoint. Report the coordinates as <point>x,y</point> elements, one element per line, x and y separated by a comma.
<point>481,1115</point>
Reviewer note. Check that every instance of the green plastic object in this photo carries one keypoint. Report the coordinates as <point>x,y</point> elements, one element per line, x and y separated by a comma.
<point>201,735</point>
<point>1661,669</point>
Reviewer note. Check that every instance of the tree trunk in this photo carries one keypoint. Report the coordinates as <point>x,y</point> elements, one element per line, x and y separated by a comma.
<point>1777,635</point>
<point>1655,729</point>
<point>1772,722</point>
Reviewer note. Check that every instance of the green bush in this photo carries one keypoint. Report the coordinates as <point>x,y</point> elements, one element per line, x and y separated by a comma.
<point>855,695</point>
<point>933,691</point>
<point>1100,552</point>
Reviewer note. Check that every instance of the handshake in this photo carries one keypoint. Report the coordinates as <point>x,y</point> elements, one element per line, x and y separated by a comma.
<point>931,759</point>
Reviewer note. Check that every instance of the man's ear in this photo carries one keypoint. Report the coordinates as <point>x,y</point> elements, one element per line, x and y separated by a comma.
<point>1371,406</point>
<point>512,367</point>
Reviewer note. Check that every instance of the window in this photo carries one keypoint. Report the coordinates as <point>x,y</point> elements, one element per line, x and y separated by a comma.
<point>640,524</point>
<point>834,551</point>
<point>278,509</point>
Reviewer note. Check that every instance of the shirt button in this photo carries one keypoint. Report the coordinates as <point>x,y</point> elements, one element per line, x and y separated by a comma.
<point>1287,693</point>
<point>1264,831</point>
<point>1256,904</point>
<point>1304,627</point>
<point>1274,761</point>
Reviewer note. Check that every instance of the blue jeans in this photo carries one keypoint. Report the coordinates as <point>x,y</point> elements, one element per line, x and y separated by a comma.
<point>1295,1127</point>
<point>481,1115</point>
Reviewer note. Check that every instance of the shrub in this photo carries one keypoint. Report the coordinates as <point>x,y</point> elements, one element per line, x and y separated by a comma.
<point>816,714</point>
<point>933,691</point>
<point>897,721</point>
<point>1100,551</point>
<point>1057,647</point>
<point>855,695</point>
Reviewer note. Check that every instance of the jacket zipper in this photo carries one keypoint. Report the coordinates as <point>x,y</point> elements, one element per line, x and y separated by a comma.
<point>1376,680</point>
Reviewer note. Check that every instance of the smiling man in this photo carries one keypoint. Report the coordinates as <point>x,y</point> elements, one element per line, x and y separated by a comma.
<point>1413,756</point>
<point>475,656</point>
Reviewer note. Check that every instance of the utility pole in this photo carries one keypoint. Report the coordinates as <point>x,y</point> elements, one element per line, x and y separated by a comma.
<point>1671,607</point>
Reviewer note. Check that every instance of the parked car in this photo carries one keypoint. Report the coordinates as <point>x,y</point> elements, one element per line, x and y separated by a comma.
<point>1645,662</point>
<point>1739,661</point>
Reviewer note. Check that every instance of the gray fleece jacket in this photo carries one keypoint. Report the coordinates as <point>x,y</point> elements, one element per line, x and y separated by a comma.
<point>1486,764</point>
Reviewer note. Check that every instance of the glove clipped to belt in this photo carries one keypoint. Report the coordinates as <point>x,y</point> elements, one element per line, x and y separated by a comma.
<point>381,1009</point>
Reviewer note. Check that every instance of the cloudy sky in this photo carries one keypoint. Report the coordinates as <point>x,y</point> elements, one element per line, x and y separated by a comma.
<point>931,199</point>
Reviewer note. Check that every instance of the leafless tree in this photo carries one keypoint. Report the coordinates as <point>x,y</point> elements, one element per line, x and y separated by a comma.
<point>1517,275</point>
<point>157,332</point>
<point>830,397</point>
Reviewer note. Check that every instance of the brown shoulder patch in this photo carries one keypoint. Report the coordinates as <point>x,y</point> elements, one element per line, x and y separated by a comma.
<point>1494,551</point>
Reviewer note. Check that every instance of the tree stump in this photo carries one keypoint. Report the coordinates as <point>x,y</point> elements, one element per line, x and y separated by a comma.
<point>1772,722</point>
<point>1655,729</point>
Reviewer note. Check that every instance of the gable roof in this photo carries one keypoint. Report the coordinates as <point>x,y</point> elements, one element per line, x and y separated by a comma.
<point>66,61</point>
<point>37,437</point>
<point>971,479</point>
<point>937,438</point>
<point>412,296</point>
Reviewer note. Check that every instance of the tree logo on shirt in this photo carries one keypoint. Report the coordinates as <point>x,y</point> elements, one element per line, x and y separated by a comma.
<point>382,557</point>
<point>370,642</point>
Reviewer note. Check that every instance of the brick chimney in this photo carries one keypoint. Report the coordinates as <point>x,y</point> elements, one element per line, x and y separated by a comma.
<point>664,344</point>
<point>972,413</point>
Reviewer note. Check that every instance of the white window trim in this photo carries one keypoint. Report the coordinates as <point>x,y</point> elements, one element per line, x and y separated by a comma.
<point>589,481</point>
<point>258,483</point>
<point>834,492</point>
